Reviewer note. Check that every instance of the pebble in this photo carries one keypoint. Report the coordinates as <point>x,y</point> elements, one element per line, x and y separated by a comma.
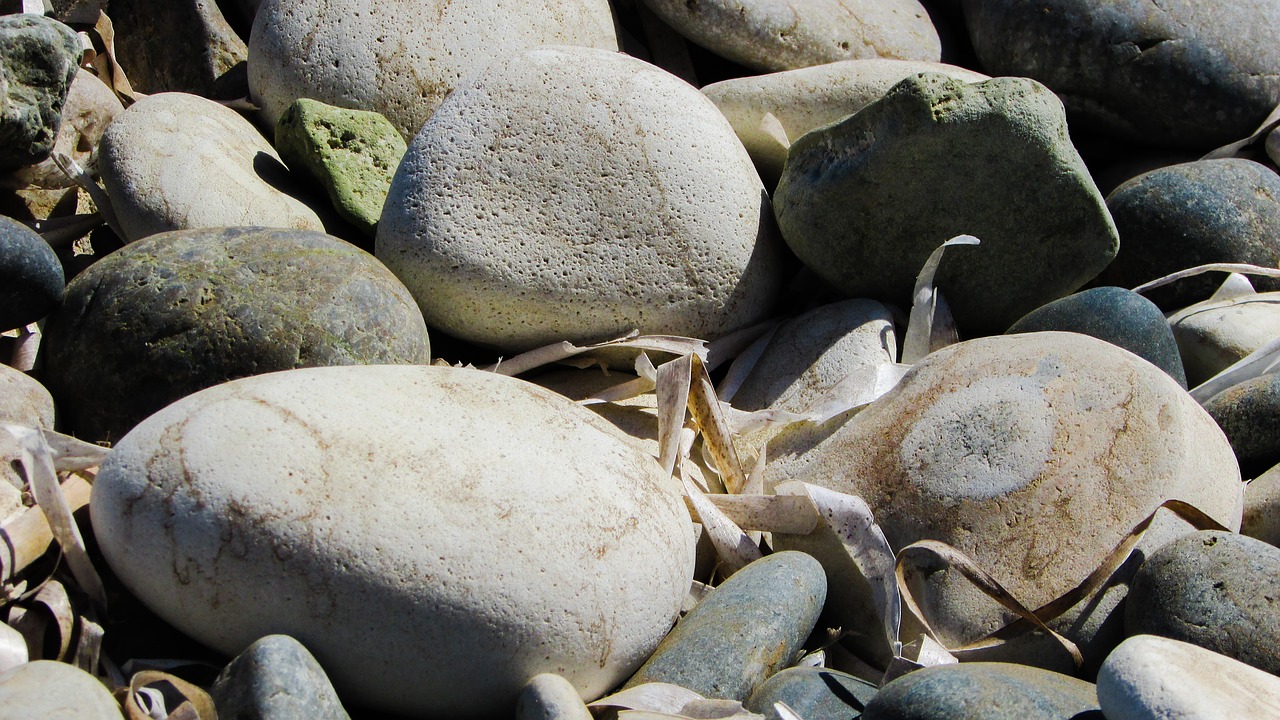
<point>23,401</point>
<point>550,697</point>
<point>174,313</point>
<point>865,201</point>
<point>1207,211</point>
<point>1121,317</point>
<point>1155,678</point>
<point>55,691</point>
<point>812,692</point>
<point>1213,589</point>
<point>1249,414</point>
<point>351,153</point>
<point>806,99</point>
<point>1215,334</point>
<point>1173,73</point>
<point>175,161</point>
<point>276,678</point>
<point>761,34</point>
<point>750,627</point>
<point>401,59</point>
<point>1262,507</point>
<point>336,504</point>
<point>39,57</point>
<point>179,46</point>
<point>986,690</point>
<point>31,278</point>
<point>575,194</point>
<point>1005,448</point>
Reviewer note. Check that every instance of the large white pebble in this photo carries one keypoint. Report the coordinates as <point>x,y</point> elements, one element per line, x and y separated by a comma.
<point>576,194</point>
<point>402,58</point>
<point>175,161</point>
<point>54,691</point>
<point>435,536</point>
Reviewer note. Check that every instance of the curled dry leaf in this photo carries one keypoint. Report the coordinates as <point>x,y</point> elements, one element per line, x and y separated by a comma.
<point>654,697</point>
<point>742,365</point>
<point>1241,268</point>
<point>785,712</point>
<point>734,548</point>
<point>99,196</point>
<point>1257,363</point>
<point>920,653</point>
<point>1236,286</point>
<point>194,704</point>
<point>672,384</point>
<point>27,536</point>
<point>52,596</point>
<point>561,351</point>
<point>920,338</point>
<point>859,388</point>
<point>727,347</point>
<point>1233,149</point>
<point>716,437</point>
<point>103,62</point>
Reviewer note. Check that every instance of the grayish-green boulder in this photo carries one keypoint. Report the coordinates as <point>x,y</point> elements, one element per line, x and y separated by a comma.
<point>276,678</point>
<point>177,312</point>
<point>1214,589</point>
<point>748,628</point>
<point>865,201</point>
<point>352,154</point>
<point>31,277</point>
<point>983,691</point>
<point>813,692</point>
<point>38,60</point>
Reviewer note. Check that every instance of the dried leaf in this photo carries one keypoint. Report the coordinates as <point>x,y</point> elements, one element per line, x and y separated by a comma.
<point>716,438</point>
<point>77,174</point>
<point>655,697</point>
<point>1242,268</point>
<point>561,351</point>
<point>860,387</point>
<point>920,653</point>
<point>920,332</point>
<point>733,547</point>
<point>772,128</point>
<point>53,596</point>
<point>743,422</point>
<point>201,705</point>
<point>742,365</point>
<point>673,382</point>
<point>785,712</point>
<point>63,231</point>
<point>786,514</point>
<point>1255,364</point>
<point>1233,149</point>
<point>13,648</point>
<point>32,625</point>
<point>730,346</point>
<point>108,69</point>
<point>26,538</point>
<point>88,651</point>
<point>717,709</point>
<point>1235,286</point>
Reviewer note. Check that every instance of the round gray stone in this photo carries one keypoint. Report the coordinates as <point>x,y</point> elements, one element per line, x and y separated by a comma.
<point>276,678</point>
<point>1249,414</point>
<point>983,691</point>
<point>54,691</point>
<point>31,278</point>
<point>39,57</point>
<point>812,692</point>
<point>550,697</point>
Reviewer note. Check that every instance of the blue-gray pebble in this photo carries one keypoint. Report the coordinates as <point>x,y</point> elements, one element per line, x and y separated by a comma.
<point>1119,316</point>
<point>31,278</point>
<point>814,693</point>
<point>751,626</point>
<point>1218,590</point>
<point>276,678</point>
<point>39,57</point>
<point>984,691</point>
<point>1249,415</point>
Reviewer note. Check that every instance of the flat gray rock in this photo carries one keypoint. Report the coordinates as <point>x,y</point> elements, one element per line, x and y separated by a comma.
<point>983,691</point>
<point>276,678</point>
<point>865,201</point>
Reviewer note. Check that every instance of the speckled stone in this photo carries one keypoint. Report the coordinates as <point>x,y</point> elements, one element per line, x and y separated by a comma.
<point>276,678</point>
<point>1249,413</point>
<point>748,628</point>
<point>1218,590</point>
<point>550,697</point>
<point>989,159</point>
<point>1177,72</point>
<point>983,691</point>
<point>1155,678</point>
<point>90,107</point>
<point>54,691</point>
<point>1262,507</point>
<point>813,693</point>
<point>177,312</point>
<point>1119,316</point>
<point>39,57</point>
<point>352,154</point>
<point>1207,211</point>
<point>31,278</point>
<point>1216,334</point>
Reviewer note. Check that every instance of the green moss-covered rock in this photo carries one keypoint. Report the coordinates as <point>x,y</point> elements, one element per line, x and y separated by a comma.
<point>38,60</point>
<point>353,154</point>
<point>178,312</point>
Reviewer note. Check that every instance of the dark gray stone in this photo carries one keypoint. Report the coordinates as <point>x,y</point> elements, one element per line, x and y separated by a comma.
<point>1121,317</point>
<point>276,678</point>
<point>38,60</point>
<point>177,312</point>
<point>865,201</point>
<point>31,278</point>
<point>1207,211</point>
<point>984,691</point>
<point>1218,590</point>
<point>814,693</point>
<point>748,628</point>
<point>180,46</point>
<point>1249,414</point>
<point>1175,72</point>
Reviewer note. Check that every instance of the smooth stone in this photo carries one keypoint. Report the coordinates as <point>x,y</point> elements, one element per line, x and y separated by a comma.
<point>1181,216</point>
<point>31,278</point>
<point>1262,507</point>
<point>806,99</point>
<point>550,697</point>
<point>1249,414</point>
<point>174,313</point>
<point>352,154</point>
<point>54,691</point>
<point>1213,589</point>
<point>90,107</point>
<point>1215,334</point>
<point>23,401</point>
<point>175,162</point>
<point>999,447</point>
<point>180,46</point>
<point>1121,317</point>
<point>772,35</point>
<point>276,678</point>
<point>577,194</point>
<point>810,354</point>
<point>401,59</point>
<point>750,627</point>
<point>812,692</point>
<point>1155,678</point>
<point>1178,72</point>
<point>984,691</point>
<point>435,536</point>
<point>864,202</point>
<point>39,58</point>
<point>1272,146</point>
